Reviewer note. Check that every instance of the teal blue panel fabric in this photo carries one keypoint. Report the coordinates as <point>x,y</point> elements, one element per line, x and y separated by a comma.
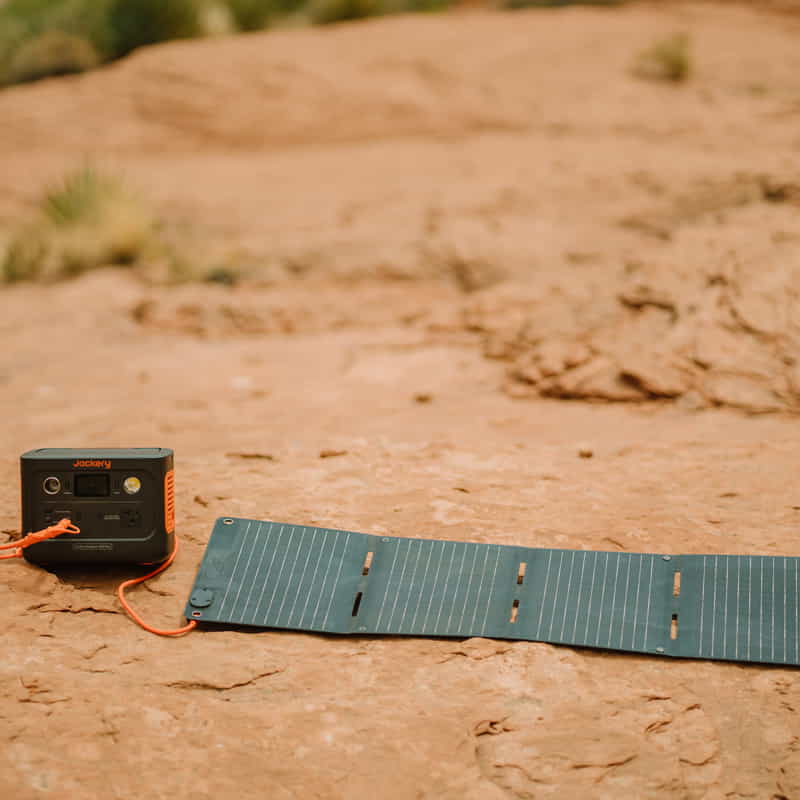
<point>279,575</point>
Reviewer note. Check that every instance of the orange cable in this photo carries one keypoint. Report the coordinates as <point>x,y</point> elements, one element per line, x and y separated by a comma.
<point>134,616</point>
<point>65,526</point>
<point>62,526</point>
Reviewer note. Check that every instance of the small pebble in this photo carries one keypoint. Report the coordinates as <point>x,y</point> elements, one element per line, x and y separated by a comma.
<point>586,452</point>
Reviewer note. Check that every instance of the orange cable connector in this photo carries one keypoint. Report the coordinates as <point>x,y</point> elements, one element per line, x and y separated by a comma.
<point>63,526</point>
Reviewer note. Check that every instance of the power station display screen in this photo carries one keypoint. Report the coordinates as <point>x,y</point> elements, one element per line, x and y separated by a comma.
<point>91,485</point>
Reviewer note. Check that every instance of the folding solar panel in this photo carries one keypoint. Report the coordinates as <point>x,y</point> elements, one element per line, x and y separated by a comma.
<point>274,575</point>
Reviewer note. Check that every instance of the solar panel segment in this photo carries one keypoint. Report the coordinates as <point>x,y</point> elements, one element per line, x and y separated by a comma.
<point>278,575</point>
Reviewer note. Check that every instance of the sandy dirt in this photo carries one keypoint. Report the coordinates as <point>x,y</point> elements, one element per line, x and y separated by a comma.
<point>484,248</point>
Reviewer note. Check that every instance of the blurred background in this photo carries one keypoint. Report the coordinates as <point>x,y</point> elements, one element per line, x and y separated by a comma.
<point>611,187</point>
<point>519,272</point>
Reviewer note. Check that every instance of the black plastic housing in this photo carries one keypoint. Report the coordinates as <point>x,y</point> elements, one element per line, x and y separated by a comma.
<point>117,527</point>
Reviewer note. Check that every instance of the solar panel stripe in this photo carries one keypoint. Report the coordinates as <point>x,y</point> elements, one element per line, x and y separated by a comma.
<point>595,557</point>
<point>466,602</point>
<point>703,601</point>
<point>402,569</point>
<point>738,606</point>
<point>388,584</point>
<point>443,594</point>
<point>567,596</point>
<point>265,582</point>
<point>480,589</point>
<point>785,603</point>
<point>285,580</point>
<point>749,602</point>
<point>435,582</point>
<point>332,589</point>
<point>576,615</point>
<point>264,548</point>
<point>233,573</point>
<point>636,602</point>
<point>625,567</point>
<point>772,609</point>
<point>421,591</point>
<point>471,595</point>
<point>421,566</point>
<point>260,543</point>
<point>602,599</point>
<point>288,576</point>
<point>246,540</point>
<point>544,593</point>
<point>456,589</point>
<point>331,544</point>
<point>298,593</point>
<point>556,588</point>
<point>491,591</point>
<point>277,579</point>
<point>613,603</point>
<point>249,572</point>
<point>649,598</point>
<point>421,588</point>
<point>310,594</point>
<point>412,584</point>
<point>761,610</point>
<point>460,604</point>
<point>714,608</point>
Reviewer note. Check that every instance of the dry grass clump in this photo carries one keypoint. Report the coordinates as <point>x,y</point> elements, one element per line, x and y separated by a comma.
<point>667,60</point>
<point>50,54</point>
<point>559,3</point>
<point>89,220</point>
<point>255,15</point>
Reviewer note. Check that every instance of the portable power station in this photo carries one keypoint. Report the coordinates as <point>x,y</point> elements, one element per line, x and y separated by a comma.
<point>121,499</point>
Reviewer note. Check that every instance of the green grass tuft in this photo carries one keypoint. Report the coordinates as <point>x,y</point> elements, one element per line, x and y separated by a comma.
<point>82,196</point>
<point>88,220</point>
<point>559,3</point>
<point>667,60</point>
<point>254,15</point>
<point>50,54</point>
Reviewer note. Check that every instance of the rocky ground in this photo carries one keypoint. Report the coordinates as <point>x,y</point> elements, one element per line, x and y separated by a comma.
<point>479,247</point>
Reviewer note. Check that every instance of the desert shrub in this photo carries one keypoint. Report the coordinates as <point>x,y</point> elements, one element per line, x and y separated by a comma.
<point>49,54</point>
<point>83,195</point>
<point>89,220</point>
<point>216,19</point>
<point>253,15</point>
<point>323,12</point>
<point>404,6</point>
<point>559,3</point>
<point>28,18</point>
<point>249,15</point>
<point>668,59</point>
<point>40,38</point>
<point>82,33</point>
<point>134,23</point>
